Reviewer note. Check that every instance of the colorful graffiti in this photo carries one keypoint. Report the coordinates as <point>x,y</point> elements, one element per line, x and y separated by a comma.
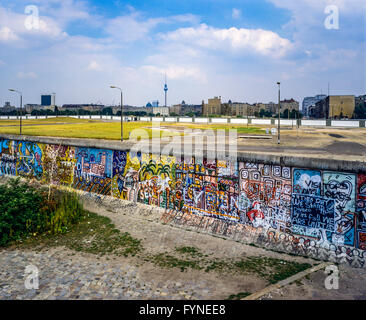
<point>321,207</point>
<point>93,170</point>
<point>7,158</point>
<point>29,163</point>
<point>59,164</point>
<point>266,190</point>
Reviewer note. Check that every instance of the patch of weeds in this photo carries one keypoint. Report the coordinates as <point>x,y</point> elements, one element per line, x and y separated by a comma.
<point>239,296</point>
<point>191,251</point>
<point>285,269</point>
<point>299,283</point>
<point>93,234</point>
<point>168,261</point>
<point>274,270</point>
<point>218,266</point>
<point>256,265</point>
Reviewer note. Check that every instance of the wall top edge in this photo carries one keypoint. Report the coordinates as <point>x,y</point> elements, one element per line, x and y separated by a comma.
<point>271,159</point>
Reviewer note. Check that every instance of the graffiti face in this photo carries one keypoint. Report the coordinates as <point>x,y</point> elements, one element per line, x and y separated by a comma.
<point>341,187</point>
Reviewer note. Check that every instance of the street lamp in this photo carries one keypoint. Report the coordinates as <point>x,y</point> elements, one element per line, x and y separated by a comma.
<point>114,87</point>
<point>279,112</point>
<point>21,108</point>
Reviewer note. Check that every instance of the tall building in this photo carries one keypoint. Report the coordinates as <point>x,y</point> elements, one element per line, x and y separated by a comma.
<point>334,107</point>
<point>213,107</point>
<point>241,109</point>
<point>311,101</point>
<point>166,92</point>
<point>46,100</point>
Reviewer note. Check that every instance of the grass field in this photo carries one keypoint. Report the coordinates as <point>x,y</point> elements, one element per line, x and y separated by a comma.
<point>95,129</point>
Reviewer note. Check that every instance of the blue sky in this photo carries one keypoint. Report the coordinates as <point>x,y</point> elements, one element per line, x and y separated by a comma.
<point>234,49</point>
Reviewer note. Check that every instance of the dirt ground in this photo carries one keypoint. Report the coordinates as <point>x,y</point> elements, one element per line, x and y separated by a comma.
<point>334,143</point>
<point>142,222</point>
<point>351,286</point>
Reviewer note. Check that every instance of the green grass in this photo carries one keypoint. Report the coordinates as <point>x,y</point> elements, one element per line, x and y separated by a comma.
<point>168,261</point>
<point>274,270</point>
<point>190,251</point>
<point>87,129</point>
<point>93,234</point>
<point>239,296</point>
<point>96,129</point>
<point>270,269</point>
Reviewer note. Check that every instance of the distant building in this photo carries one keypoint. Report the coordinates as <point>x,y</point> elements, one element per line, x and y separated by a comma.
<point>7,108</point>
<point>86,107</point>
<point>163,111</point>
<point>241,109</point>
<point>289,105</point>
<point>183,109</point>
<point>214,107</point>
<point>334,107</point>
<point>311,101</point>
<point>46,100</point>
<point>360,99</point>
<point>30,107</point>
<point>272,107</point>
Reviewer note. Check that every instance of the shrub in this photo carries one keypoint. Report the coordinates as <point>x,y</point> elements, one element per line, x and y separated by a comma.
<point>19,211</point>
<point>26,211</point>
<point>63,212</point>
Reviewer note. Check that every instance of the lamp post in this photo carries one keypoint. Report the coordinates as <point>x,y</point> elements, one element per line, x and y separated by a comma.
<point>279,112</point>
<point>21,108</point>
<point>114,87</point>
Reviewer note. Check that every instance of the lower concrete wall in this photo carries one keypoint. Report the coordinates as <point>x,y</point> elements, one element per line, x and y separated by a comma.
<point>313,212</point>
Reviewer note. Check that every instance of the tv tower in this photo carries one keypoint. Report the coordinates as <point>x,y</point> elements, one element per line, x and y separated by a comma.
<point>166,91</point>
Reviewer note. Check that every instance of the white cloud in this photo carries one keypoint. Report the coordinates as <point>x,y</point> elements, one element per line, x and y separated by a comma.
<point>12,28</point>
<point>236,13</point>
<point>134,27</point>
<point>346,6</point>
<point>94,66</point>
<point>175,72</point>
<point>129,29</point>
<point>6,34</point>
<point>27,75</point>
<point>236,40</point>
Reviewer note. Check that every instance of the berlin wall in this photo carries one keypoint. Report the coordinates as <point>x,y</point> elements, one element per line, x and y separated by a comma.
<point>312,212</point>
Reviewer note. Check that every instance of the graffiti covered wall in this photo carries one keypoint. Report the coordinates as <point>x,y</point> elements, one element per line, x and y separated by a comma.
<point>313,207</point>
